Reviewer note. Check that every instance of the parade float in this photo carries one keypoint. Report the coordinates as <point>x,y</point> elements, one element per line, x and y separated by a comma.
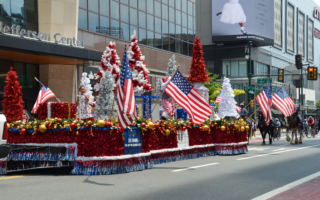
<point>101,146</point>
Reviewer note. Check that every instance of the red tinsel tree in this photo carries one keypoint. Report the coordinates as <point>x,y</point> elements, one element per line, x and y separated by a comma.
<point>140,77</point>
<point>197,71</point>
<point>12,103</point>
<point>110,61</point>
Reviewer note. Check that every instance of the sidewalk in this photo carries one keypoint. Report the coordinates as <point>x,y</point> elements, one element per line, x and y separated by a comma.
<point>259,136</point>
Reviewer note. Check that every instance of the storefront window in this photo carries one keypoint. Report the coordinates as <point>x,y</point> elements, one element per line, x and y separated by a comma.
<point>236,68</point>
<point>261,69</point>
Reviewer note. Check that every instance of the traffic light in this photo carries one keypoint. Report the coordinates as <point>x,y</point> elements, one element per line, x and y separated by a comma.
<point>298,61</point>
<point>280,77</point>
<point>315,73</point>
<point>311,73</point>
<point>252,103</point>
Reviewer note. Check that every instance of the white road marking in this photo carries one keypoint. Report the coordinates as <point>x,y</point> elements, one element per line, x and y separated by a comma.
<point>251,149</point>
<point>287,187</point>
<point>179,170</point>
<point>262,149</point>
<point>279,149</point>
<point>277,152</point>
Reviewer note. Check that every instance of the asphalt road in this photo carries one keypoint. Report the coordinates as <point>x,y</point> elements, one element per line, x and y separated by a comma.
<point>246,176</point>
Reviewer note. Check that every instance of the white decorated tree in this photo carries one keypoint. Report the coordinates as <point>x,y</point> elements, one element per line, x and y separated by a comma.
<point>227,106</point>
<point>170,70</point>
<point>105,98</point>
<point>85,81</point>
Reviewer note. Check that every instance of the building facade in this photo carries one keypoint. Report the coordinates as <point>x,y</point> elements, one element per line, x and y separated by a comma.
<point>57,40</point>
<point>295,25</point>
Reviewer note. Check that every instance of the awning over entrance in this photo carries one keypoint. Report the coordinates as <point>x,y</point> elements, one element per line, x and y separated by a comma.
<point>39,52</point>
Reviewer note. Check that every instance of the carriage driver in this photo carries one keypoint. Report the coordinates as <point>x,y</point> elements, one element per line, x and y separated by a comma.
<point>244,112</point>
<point>311,123</point>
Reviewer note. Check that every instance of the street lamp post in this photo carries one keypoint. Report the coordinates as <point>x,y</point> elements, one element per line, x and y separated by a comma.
<point>248,57</point>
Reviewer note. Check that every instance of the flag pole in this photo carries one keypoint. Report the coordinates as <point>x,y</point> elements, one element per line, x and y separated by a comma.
<point>114,98</point>
<point>44,86</point>
<point>240,111</point>
<point>163,92</point>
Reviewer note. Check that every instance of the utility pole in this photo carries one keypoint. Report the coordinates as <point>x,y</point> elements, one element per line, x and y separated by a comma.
<point>250,73</point>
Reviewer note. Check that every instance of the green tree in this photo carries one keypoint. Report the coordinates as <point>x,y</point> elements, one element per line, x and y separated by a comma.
<point>318,104</point>
<point>212,86</point>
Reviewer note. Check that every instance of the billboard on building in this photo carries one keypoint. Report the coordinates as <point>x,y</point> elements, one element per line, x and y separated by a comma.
<point>243,20</point>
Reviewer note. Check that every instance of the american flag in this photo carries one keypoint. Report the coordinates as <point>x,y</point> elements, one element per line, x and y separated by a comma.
<point>125,95</point>
<point>284,102</point>
<point>238,108</point>
<point>44,94</point>
<point>182,92</point>
<point>264,100</point>
<point>218,99</point>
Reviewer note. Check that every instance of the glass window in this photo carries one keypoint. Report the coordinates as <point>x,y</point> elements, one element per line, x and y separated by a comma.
<point>190,50</point>
<point>165,28</point>
<point>225,64</point>
<point>142,36</point>
<point>17,9</point>
<point>278,22</point>
<point>184,48</point>
<point>165,1</point>
<point>301,31</point>
<point>171,3</point>
<point>310,40</point>
<point>184,34</point>
<point>164,11</point>
<point>194,9</point>
<point>94,5</point>
<point>172,29</point>
<point>190,35</point>
<point>83,19</point>
<point>261,69</point>
<point>124,13</point>
<point>234,69</point>
<point>115,29</point>
<point>190,7</point>
<point>190,22</point>
<point>243,69</point>
<point>178,46</point>
<point>124,1</point>
<point>150,22</point>
<point>93,22</point>
<point>171,14</point>
<point>157,41</point>
<point>126,31</point>
<point>274,71</point>
<point>114,9</point>
<point>290,28</point>
<point>178,32</point>
<point>142,5</point>
<point>165,42</point>
<point>82,4</point>
<point>132,29</point>
<point>157,24</point>
<point>178,17</point>
<point>104,25</point>
<point>194,23</point>
<point>184,20</point>
<point>172,45</point>
<point>157,8</point>
<point>134,3</point>
<point>142,19</point>
<point>150,36</point>
<point>178,4</point>
<point>133,16</point>
<point>104,7</point>
<point>150,6</point>
<point>184,6</point>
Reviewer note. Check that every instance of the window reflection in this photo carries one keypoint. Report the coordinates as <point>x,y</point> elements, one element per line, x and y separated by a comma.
<point>93,22</point>
<point>184,20</point>
<point>157,9</point>
<point>150,36</point>
<point>165,28</point>
<point>157,24</point>
<point>124,13</point>
<point>17,9</point>
<point>150,7</point>
<point>190,22</point>
<point>94,5</point>
<point>190,49</point>
<point>172,45</point>
<point>178,4</point>
<point>164,11</point>
<point>142,19</point>
<point>184,5</point>
<point>104,25</point>
<point>142,5</point>
<point>172,29</point>
<point>165,1</point>
<point>165,42</point>
<point>83,19</point>
<point>115,30</point>
<point>83,4</point>
<point>184,48</point>
<point>190,35</point>
<point>126,31</point>
<point>157,41</point>
<point>178,32</point>
<point>134,3</point>
<point>134,28</point>
<point>190,7</point>
<point>171,3</point>
<point>171,14</point>
<point>125,1</point>
<point>104,7</point>
<point>133,16</point>
<point>178,46</point>
<point>142,36</point>
<point>150,23</point>
<point>184,34</point>
<point>115,9</point>
<point>178,17</point>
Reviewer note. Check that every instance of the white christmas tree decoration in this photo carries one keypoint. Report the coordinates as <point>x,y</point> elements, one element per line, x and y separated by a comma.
<point>227,106</point>
<point>105,98</point>
<point>85,82</point>
<point>171,66</point>
<point>109,62</point>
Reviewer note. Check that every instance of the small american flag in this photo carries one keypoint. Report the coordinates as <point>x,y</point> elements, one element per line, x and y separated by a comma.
<point>125,95</point>
<point>44,94</point>
<point>218,99</point>
<point>284,102</point>
<point>264,100</point>
<point>238,108</point>
<point>182,92</point>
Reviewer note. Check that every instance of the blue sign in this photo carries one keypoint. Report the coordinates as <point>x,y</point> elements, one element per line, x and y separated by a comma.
<point>254,87</point>
<point>132,144</point>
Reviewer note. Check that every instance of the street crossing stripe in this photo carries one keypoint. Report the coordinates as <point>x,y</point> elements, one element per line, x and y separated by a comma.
<point>179,170</point>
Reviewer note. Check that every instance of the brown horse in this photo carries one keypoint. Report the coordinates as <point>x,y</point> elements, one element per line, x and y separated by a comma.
<point>292,125</point>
